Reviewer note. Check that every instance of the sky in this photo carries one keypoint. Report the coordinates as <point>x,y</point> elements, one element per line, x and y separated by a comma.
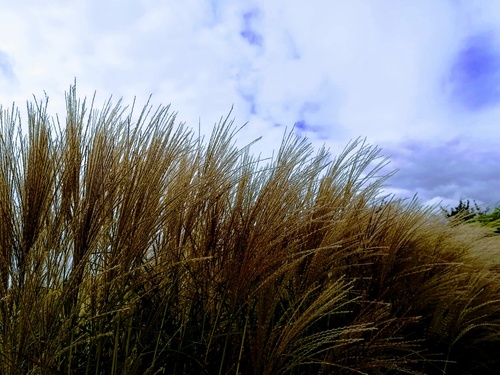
<point>419,79</point>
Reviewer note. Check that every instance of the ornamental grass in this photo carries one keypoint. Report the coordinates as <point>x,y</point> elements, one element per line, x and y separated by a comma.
<point>131,245</point>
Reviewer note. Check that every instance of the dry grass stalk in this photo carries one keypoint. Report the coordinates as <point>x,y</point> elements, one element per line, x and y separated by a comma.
<point>136,247</point>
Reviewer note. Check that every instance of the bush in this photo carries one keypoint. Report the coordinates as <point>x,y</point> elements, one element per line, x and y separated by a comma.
<point>464,211</point>
<point>136,248</point>
<point>491,219</point>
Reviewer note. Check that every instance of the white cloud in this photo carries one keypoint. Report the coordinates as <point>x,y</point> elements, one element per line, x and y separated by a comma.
<point>339,69</point>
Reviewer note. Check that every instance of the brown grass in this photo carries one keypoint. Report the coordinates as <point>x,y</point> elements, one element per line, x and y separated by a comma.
<point>134,247</point>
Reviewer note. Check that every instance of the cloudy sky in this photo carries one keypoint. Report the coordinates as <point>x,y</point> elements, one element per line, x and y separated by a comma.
<point>420,79</point>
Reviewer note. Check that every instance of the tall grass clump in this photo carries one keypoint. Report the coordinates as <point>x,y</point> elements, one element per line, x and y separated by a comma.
<point>128,245</point>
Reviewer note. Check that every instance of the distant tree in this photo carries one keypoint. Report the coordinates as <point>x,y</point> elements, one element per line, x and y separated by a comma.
<point>464,211</point>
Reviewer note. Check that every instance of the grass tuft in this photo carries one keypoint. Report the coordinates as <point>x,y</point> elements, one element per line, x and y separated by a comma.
<point>135,247</point>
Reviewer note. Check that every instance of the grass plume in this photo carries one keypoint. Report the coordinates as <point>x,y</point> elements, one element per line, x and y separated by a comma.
<point>135,247</point>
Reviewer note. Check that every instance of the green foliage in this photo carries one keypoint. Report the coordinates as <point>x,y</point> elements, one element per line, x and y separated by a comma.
<point>137,248</point>
<point>464,211</point>
<point>491,219</point>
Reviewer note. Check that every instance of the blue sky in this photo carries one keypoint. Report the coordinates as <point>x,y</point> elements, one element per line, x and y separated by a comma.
<point>420,79</point>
